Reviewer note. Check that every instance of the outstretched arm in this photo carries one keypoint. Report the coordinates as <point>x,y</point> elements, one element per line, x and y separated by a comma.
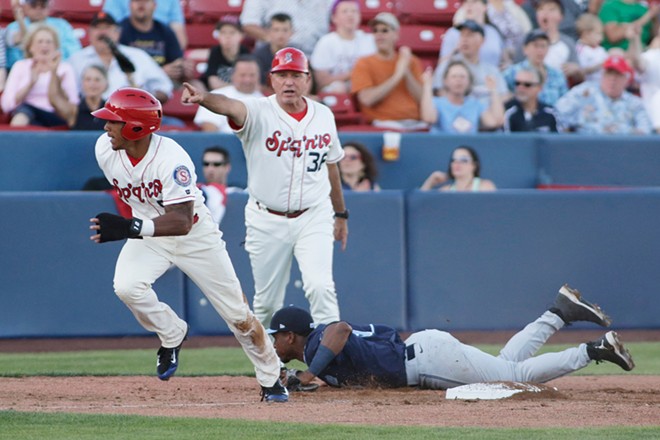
<point>333,342</point>
<point>217,103</point>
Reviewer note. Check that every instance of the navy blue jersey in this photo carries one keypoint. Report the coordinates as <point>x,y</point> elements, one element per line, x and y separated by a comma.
<point>160,42</point>
<point>373,355</point>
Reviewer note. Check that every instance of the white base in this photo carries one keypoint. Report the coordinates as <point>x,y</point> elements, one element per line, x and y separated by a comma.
<point>493,390</point>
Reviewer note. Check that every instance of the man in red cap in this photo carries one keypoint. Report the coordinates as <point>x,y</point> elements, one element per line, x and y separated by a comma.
<point>604,107</point>
<point>296,203</point>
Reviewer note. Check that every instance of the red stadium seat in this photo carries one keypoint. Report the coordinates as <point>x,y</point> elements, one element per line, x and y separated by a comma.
<point>210,11</point>
<point>6,14</point>
<point>369,8</point>
<point>436,12</point>
<point>75,10</point>
<point>424,40</point>
<point>200,35</point>
<point>199,57</point>
<point>343,107</point>
<point>174,107</point>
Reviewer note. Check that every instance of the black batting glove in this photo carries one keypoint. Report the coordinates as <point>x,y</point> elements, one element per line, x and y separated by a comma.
<point>115,227</point>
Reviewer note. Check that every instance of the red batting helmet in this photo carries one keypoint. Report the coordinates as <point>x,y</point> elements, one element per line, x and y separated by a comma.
<point>289,58</point>
<point>140,110</point>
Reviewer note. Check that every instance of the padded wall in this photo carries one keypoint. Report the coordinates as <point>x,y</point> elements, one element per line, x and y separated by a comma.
<point>483,261</point>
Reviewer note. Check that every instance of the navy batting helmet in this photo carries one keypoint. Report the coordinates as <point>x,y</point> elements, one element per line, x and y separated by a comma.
<point>140,110</point>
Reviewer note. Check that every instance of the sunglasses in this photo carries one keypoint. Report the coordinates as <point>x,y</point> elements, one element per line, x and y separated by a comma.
<point>383,30</point>
<point>461,160</point>
<point>526,84</point>
<point>215,164</point>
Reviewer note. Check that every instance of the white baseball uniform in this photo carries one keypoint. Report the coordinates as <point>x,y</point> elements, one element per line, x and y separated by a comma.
<point>166,176</point>
<point>287,173</point>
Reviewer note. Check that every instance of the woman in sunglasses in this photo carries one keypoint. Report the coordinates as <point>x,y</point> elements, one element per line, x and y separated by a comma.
<point>463,174</point>
<point>456,110</point>
<point>358,168</point>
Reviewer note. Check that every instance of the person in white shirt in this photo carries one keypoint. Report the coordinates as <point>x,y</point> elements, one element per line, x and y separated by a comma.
<point>148,74</point>
<point>244,84</point>
<point>591,54</point>
<point>335,53</point>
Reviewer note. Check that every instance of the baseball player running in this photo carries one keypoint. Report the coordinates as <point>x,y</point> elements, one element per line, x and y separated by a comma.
<point>292,150</point>
<point>156,178</point>
<point>343,354</point>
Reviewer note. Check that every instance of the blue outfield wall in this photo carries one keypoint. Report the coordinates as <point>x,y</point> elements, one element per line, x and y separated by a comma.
<point>63,161</point>
<point>415,260</point>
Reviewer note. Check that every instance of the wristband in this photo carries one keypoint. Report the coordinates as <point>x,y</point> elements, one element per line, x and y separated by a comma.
<point>148,228</point>
<point>343,215</point>
<point>321,360</point>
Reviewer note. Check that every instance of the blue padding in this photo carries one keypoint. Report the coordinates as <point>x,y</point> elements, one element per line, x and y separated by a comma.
<point>369,275</point>
<point>496,261</point>
<point>56,282</point>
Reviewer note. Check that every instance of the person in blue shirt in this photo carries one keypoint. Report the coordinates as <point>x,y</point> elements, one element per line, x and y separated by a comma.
<point>343,354</point>
<point>168,12</point>
<point>33,12</point>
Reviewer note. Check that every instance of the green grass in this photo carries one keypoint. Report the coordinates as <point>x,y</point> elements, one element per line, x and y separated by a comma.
<point>27,426</point>
<point>226,361</point>
<point>232,361</point>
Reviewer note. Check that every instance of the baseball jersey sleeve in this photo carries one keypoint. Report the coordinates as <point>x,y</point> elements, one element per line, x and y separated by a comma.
<point>177,174</point>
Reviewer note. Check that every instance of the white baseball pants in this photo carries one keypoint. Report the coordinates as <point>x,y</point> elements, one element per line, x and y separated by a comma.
<point>202,256</point>
<point>441,361</point>
<point>273,240</point>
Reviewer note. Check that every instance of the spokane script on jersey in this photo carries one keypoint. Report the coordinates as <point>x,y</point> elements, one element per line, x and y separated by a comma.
<point>149,190</point>
<point>280,144</point>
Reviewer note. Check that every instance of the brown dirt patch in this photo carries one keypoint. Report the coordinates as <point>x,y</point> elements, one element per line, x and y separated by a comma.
<point>580,401</point>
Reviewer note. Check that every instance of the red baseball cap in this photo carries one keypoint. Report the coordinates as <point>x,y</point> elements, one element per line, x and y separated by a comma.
<point>618,64</point>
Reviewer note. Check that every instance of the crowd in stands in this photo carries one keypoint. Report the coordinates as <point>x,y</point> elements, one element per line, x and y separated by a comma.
<point>463,66</point>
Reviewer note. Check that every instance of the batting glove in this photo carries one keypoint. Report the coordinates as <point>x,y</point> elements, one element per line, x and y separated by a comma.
<point>115,227</point>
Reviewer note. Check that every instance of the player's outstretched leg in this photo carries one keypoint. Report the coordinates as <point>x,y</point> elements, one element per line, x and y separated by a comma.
<point>609,348</point>
<point>168,359</point>
<point>571,307</point>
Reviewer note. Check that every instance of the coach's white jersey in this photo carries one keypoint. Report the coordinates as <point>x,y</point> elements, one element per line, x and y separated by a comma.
<point>164,176</point>
<point>286,158</point>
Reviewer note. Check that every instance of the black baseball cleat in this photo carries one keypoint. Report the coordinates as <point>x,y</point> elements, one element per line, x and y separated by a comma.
<point>609,348</point>
<point>277,393</point>
<point>168,359</point>
<point>571,307</point>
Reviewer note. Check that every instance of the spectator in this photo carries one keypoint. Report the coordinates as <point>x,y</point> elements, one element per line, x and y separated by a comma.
<point>140,30</point>
<point>311,20</point>
<point>525,112</point>
<point>654,103</point>
<point>535,49</point>
<point>3,58</point>
<point>33,12</point>
<point>358,168</point>
<point>222,57</point>
<point>605,107</point>
<point>572,9</point>
<point>216,167</point>
<point>335,53</point>
<point>512,22</point>
<point>492,46</point>
<point>168,12</point>
<point>279,32</point>
<point>463,174</point>
<point>619,15</point>
<point>561,52</point>
<point>388,83</point>
<point>244,84</point>
<point>470,41</point>
<point>650,79</point>
<point>26,92</point>
<point>148,74</point>
<point>591,54</point>
<point>457,111</point>
<point>79,117</point>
